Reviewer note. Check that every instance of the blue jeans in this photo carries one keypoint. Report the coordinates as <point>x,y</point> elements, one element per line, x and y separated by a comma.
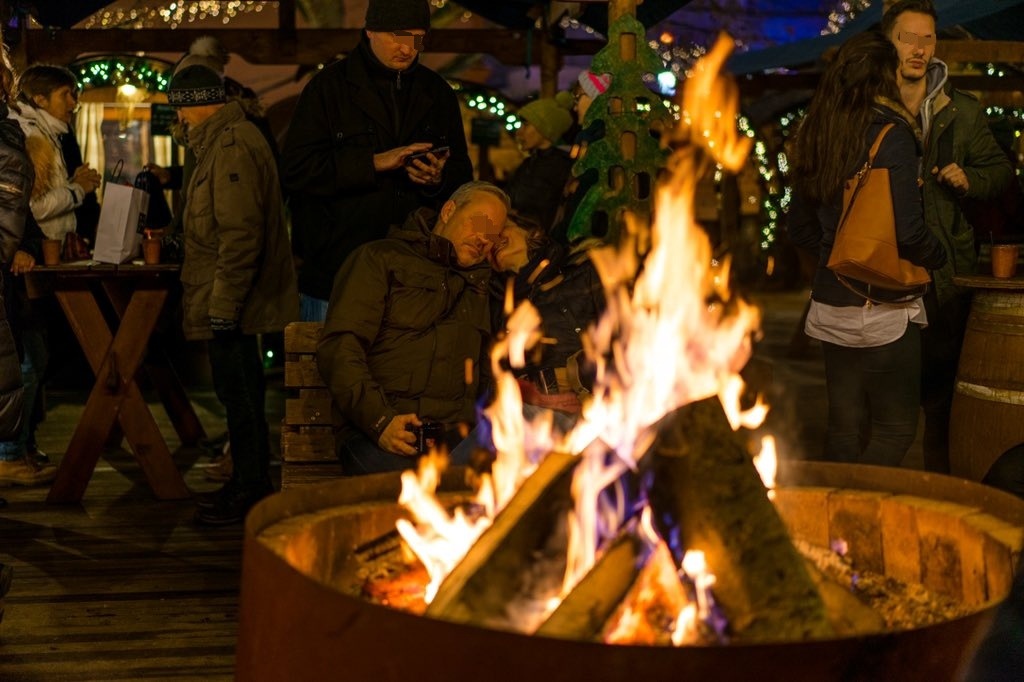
<point>312,309</point>
<point>33,368</point>
<point>239,383</point>
<point>10,450</point>
<point>873,400</point>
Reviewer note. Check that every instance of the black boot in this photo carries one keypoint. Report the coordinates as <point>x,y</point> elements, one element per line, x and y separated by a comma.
<point>231,504</point>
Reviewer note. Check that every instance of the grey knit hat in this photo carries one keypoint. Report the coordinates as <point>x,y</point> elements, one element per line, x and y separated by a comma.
<point>397,15</point>
<point>197,81</point>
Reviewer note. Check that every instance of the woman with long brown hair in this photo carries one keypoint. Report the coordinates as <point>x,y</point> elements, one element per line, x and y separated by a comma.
<point>871,347</point>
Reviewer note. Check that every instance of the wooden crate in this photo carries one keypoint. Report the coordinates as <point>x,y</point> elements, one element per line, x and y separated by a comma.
<point>307,442</point>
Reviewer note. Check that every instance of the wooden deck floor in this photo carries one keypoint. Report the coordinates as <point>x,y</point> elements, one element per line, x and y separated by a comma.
<point>122,586</point>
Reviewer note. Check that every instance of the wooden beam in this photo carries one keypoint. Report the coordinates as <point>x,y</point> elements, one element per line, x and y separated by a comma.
<point>981,51</point>
<point>272,46</point>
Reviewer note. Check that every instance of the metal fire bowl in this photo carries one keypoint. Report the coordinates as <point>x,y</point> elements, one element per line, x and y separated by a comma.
<point>295,627</point>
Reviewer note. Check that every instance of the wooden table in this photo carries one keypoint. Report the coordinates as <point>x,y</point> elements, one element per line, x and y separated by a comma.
<point>116,352</point>
<point>987,418</point>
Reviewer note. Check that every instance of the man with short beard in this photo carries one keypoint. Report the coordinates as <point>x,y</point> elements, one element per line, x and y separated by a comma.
<point>960,160</point>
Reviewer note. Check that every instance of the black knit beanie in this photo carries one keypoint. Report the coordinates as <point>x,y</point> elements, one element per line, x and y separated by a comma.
<point>195,83</point>
<point>397,15</point>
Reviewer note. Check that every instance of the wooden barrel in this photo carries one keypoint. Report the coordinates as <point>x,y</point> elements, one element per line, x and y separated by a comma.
<point>988,404</point>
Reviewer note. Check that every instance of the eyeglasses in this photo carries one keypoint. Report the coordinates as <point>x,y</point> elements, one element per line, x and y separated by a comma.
<point>914,40</point>
<point>413,40</point>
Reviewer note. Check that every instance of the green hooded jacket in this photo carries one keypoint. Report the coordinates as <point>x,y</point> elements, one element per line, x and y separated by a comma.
<point>947,111</point>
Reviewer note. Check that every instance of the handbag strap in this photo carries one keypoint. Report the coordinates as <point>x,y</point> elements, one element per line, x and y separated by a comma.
<point>862,174</point>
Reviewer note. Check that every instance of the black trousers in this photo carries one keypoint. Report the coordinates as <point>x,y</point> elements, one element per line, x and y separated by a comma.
<point>941,342</point>
<point>873,396</point>
<point>240,386</point>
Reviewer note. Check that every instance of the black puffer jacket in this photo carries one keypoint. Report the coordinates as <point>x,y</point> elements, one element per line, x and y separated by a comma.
<point>16,177</point>
<point>814,226</point>
<point>567,293</point>
<point>347,113</point>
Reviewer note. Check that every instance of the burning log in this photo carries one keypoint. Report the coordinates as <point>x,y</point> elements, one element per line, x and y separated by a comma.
<point>585,611</point>
<point>706,488</point>
<point>479,588</point>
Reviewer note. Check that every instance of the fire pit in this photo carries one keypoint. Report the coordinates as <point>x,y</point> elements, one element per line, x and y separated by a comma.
<point>575,540</point>
<point>958,538</point>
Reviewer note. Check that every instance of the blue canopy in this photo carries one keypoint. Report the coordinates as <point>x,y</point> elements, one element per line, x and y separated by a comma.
<point>993,19</point>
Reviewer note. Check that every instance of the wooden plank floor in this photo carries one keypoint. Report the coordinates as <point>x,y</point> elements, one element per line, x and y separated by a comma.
<point>122,586</point>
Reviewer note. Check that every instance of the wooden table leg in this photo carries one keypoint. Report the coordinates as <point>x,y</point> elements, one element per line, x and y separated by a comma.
<point>165,380</point>
<point>115,396</point>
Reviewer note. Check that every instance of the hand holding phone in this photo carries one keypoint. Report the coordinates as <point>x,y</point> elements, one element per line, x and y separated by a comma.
<point>438,152</point>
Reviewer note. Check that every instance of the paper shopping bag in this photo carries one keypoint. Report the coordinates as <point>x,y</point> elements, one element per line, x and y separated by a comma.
<point>122,220</point>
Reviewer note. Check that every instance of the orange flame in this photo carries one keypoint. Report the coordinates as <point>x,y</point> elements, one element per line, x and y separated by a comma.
<point>672,334</point>
<point>676,336</point>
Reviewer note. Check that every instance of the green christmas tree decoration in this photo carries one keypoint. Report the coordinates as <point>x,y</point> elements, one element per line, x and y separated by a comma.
<point>626,160</point>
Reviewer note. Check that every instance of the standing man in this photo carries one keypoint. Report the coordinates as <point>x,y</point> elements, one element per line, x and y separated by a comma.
<point>238,277</point>
<point>346,160</point>
<point>407,328</point>
<point>961,161</point>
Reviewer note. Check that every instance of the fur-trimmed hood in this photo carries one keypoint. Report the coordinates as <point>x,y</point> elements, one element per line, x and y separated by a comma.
<point>42,146</point>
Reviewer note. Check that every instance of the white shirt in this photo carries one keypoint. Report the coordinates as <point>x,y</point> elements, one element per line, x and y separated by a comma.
<point>873,324</point>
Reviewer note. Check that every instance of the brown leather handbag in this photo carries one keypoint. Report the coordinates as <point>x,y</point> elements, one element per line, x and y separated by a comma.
<point>865,256</point>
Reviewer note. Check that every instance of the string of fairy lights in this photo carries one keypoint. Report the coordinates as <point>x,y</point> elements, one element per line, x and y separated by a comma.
<point>154,75</point>
<point>140,72</point>
<point>180,12</point>
<point>175,13</point>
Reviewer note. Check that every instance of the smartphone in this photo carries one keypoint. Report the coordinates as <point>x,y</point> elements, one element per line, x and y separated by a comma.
<point>438,152</point>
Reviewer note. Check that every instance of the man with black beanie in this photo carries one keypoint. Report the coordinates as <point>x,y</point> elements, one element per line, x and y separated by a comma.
<point>238,280</point>
<point>348,162</point>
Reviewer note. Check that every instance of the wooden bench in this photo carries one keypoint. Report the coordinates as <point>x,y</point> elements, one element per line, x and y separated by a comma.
<point>307,442</point>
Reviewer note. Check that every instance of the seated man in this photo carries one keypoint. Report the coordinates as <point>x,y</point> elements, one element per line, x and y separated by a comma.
<point>406,330</point>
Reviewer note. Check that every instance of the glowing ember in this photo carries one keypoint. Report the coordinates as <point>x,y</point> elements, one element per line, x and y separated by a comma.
<point>439,539</point>
<point>652,612</point>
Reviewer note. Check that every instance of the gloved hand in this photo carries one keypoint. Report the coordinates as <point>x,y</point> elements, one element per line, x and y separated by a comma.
<point>223,328</point>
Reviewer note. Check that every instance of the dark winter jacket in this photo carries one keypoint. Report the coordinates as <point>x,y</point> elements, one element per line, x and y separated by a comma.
<point>345,115</point>
<point>813,226</point>
<point>566,290</point>
<point>402,323</point>
<point>535,188</point>
<point>16,178</point>
<point>237,262</point>
<point>957,132</point>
